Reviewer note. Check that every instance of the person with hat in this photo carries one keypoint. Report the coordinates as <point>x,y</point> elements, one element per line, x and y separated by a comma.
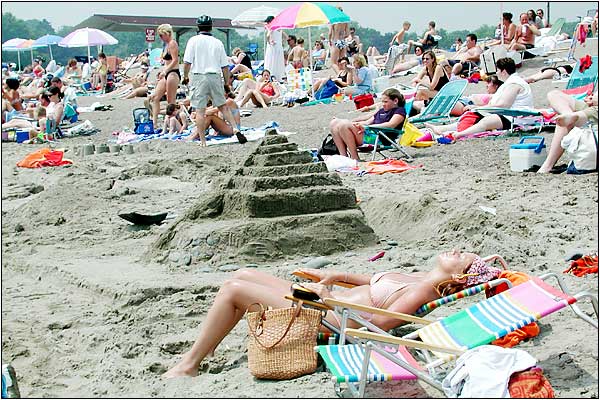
<point>206,59</point>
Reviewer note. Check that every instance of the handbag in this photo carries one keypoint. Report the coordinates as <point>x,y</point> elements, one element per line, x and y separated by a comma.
<point>281,343</point>
<point>328,148</point>
<point>581,145</point>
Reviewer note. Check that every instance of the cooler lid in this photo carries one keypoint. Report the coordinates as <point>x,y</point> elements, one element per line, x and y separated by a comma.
<point>527,146</point>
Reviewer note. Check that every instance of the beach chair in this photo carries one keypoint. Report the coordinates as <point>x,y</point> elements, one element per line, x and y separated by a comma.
<point>585,78</point>
<point>441,105</point>
<point>440,342</point>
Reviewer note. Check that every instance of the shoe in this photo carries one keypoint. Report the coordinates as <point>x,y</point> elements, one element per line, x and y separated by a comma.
<point>533,168</point>
<point>559,169</point>
<point>240,137</point>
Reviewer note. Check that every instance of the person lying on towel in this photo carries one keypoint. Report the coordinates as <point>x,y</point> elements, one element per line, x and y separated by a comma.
<point>393,291</point>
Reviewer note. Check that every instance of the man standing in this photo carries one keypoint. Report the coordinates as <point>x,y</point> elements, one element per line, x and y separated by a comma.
<point>205,56</point>
<point>467,57</point>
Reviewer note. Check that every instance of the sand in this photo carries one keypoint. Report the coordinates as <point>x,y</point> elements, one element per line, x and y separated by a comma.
<point>84,314</point>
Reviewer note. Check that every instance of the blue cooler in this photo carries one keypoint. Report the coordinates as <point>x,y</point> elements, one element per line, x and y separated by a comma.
<point>525,155</point>
<point>22,136</point>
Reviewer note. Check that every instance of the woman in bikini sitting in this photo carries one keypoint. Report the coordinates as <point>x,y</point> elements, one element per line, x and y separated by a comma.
<point>393,291</point>
<point>241,61</point>
<point>343,78</point>
<point>431,79</point>
<point>172,76</point>
<point>265,92</point>
<point>214,119</point>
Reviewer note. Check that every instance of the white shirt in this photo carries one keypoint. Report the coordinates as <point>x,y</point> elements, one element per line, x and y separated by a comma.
<point>524,99</point>
<point>206,54</point>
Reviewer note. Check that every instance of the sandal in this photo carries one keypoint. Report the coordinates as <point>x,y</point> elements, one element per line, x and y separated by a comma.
<point>240,137</point>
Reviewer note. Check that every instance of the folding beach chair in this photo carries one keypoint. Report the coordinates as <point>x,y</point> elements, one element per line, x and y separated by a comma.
<point>442,104</point>
<point>587,77</point>
<point>443,340</point>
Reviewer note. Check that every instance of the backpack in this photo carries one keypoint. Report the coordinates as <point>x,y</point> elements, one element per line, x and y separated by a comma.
<point>328,148</point>
<point>581,145</point>
<point>142,121</point>
<point>327,90</point>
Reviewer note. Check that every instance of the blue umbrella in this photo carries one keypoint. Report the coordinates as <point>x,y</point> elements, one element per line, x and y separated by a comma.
<point>48,40</point>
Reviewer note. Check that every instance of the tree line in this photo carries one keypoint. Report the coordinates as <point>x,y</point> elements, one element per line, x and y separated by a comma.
<point>134,42</point>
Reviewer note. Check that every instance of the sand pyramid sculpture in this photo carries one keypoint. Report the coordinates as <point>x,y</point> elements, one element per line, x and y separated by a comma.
<point>279,203</point>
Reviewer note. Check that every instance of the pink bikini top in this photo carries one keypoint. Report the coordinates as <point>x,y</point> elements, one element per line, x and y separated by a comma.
<point>382,290</point>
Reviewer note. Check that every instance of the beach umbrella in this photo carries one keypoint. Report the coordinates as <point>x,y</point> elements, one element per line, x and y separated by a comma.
<point>306,15</point>
<point>48,40</point>
<point>86,37</point>
<point>254,17</point>
<point>11,45</point>
<point>28,44</point>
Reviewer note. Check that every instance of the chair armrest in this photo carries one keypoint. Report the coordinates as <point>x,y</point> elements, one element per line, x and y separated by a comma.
<point>399,341</point>
<point>372,310</point>
<point>382,129</point>
<point>508,111</point>
<point>314,304</point>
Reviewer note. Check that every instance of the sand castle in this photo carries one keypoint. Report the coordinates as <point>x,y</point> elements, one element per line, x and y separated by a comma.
<point>279,203</point>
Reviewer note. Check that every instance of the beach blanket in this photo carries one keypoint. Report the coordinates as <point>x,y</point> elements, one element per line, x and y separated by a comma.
<point>252,134</point>
<point>389,165</point>
<point>44,158</point>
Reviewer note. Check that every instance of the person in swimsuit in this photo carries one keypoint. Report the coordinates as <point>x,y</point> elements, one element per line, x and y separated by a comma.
<point>174,124</point>
<point>241,61</point>
<point>427,41</point>
<point>214,119</point>
<point>337,37</point>
<point>506,33</point>
<point>394,291</point>
<point>170,82</point>
<point>431,79</point>
<point>525,35</point>
<point>561,71</point>
<point>343,76</point>
<point>99,75</point>
<point>264,93</point>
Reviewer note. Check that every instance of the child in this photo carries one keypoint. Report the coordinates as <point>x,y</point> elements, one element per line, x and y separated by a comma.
<point>298,55</point>
<point>173,123</point>
<point>40,132</point>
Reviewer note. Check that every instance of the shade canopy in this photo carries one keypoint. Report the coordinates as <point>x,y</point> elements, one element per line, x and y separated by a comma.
<point>11,45</point>
<point>308,14</point>
<point>48,40</point>
<point>29,44</point>
<point>86,37</point>
<point>255,17</point>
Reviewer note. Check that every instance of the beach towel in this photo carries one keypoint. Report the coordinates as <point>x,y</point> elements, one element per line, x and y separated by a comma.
<point>44,158</point>
<point>583,266</point>
<point>530,384</point>
<point>389,165</point>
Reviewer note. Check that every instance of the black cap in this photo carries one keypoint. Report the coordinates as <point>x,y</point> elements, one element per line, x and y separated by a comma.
<point>204,21</point>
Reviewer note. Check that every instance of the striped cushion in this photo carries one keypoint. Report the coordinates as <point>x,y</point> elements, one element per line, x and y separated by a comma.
<point>345,363</point>
<point>495,317</point>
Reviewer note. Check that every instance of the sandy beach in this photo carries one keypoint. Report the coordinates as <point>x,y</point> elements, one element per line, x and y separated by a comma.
<point>86,314</point>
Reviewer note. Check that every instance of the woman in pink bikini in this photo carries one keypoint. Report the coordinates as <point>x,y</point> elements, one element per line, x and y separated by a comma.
<point>394,291</point>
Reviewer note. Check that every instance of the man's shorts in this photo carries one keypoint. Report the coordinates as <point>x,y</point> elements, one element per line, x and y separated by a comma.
<point>205,86</point>
<point>466,65</point>
<point>340,44</point>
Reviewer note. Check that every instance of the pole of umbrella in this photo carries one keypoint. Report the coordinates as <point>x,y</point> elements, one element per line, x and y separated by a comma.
<point>50,49</point>
<point>31,50</point>
<point>312,90</point>
<point>19,58</point>
<point>89,57</point>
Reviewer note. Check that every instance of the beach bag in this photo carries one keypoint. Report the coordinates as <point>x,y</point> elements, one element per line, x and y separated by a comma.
<point>281,342</point>
<point>328,148</point>
<point>363,100</point>
<point>142,122</point>
<point>327,90</point>
<point>489,58</point>
<point>581,145</point>
<point>70,114</point>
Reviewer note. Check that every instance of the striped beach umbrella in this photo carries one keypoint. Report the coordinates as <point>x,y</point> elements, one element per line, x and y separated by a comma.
<point>86,37</point>
<point>11,45</point>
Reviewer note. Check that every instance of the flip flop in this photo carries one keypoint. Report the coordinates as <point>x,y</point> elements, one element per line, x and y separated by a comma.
<point>144,219</point>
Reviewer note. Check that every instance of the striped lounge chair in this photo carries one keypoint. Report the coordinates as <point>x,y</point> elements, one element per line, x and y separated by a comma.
<point>441,341</point>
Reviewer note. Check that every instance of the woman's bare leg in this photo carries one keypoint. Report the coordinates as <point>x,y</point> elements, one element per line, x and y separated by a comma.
<point>440,129</point>
<point>538,76</point>
<point>159,92</point>
<point>247,97</point>
<point>487,123</point>
<point>561,102</point>
<point>259,96</point>
<point>171,88</point>
<point>564,124</point>
<point>232,301</point>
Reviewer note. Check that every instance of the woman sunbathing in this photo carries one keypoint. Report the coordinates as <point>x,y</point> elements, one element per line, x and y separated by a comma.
<point>214,119</point>
<point>558,72</point>
<point>348,135</point>
<point>264,93</point>
<point>393,291</point>
<point>343,78</point>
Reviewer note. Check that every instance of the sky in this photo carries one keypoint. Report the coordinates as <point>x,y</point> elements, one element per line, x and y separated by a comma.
<point>382,16</point>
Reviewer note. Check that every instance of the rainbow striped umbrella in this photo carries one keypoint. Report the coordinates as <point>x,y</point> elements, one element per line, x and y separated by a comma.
<point>307,15</point>
<point>29,44</point>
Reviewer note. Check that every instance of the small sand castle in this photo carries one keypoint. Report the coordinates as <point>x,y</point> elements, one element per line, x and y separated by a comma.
<point>279,203</point>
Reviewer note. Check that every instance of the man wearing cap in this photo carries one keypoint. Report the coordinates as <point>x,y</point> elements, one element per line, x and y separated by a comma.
<point>205,56</point>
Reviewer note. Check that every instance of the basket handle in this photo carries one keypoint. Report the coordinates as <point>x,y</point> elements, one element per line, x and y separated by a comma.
<point>262,318</point>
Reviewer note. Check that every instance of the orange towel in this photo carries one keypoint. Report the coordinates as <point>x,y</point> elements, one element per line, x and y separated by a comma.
<point>44,158</point>
<point>389,165</point>
<point>530,330</point>
<point>531,384</point>
<point>584,265</point>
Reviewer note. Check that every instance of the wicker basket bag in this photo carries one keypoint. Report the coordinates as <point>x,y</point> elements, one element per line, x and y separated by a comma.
<point>281,343</point>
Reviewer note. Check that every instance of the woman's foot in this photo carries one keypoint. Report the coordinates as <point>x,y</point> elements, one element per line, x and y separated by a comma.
<point>566,119</point>
<point>434,128</point>
<point>182,368</point>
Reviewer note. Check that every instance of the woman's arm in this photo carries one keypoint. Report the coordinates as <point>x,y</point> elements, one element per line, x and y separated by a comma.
<point>508,97</point>
<point>420,76</point>
<point>327,277</point>
<point>492,258</point>
<point>365,118</point>
<point>59,111</point>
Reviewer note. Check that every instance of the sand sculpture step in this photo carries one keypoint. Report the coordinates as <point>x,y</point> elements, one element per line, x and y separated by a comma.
<point>251,183</point>
<point>278,203</point>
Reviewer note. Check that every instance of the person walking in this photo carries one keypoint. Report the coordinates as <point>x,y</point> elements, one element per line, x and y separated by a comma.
<point>205,56</point>
<point>274,61</point>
